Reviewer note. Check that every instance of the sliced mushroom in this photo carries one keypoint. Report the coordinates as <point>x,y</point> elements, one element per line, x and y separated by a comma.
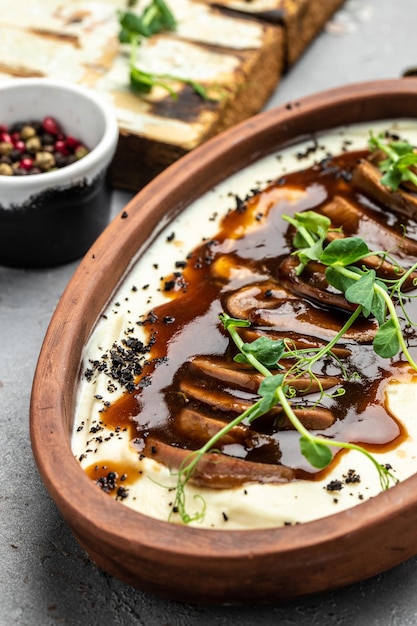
<point>197,426</point>
<point>315,418</point>
<point>238,374</point>
<point>357,221</point>
<point>299,341</point>
<point>217,399</point>
<point>218,471</point>
<point>312,284</point>
<point>377,156</point>
<point>280,310</point>
<point>243,376</point>
<point>367,178</point>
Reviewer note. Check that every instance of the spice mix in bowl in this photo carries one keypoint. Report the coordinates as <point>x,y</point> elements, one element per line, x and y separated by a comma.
<point>57,141</point>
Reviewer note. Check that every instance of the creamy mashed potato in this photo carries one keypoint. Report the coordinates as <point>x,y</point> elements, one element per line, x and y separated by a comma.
<point>250,505</point>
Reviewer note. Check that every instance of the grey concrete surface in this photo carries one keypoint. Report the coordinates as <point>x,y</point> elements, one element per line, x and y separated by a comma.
<point>45,577</point>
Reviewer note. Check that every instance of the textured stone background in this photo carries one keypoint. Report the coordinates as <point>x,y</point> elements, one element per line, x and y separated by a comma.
<point>45,577</point>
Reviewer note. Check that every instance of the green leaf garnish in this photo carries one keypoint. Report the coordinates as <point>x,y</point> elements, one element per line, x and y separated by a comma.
<point>316,453</point>
<point>132,25</point>
<point>386,342</point>
<point>379,307</point>
<point>228,321</point>
<point>155,18</point>
<point>270,384</point>
<point>401,157</point>
<point>266,350</point>
<point>273,391</point>
<point>314,223</point>
<point>344,251</point>
<point>362,292</point>
<point>340,281</point>
<point>311,232</point>
<point>370,294</point>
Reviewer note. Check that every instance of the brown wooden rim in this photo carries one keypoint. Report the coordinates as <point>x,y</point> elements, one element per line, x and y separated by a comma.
<point>88,291</point>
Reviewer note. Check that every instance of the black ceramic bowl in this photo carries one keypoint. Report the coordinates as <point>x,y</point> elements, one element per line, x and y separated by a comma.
<point>53,217</point>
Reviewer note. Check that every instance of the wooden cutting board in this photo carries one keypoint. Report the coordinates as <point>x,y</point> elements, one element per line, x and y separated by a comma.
<point>239,48</point>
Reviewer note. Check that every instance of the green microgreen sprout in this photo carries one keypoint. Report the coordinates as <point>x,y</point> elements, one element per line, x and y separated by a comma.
<point>156,18</point>
<point>274,388</point>
<point>360,285</point>
<point>401,156</point>
<point>264,355</point>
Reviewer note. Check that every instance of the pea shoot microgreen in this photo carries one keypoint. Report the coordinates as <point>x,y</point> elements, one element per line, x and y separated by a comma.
<point>274,390</point>
<point>361,286</point>
<point>156,18</point>
<point>401,156</point>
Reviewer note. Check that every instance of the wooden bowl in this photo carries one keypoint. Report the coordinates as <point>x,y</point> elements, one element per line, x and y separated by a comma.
<point>189,564</point>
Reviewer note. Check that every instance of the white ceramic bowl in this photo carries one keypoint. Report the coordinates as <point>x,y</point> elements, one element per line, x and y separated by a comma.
<point>51,218</point>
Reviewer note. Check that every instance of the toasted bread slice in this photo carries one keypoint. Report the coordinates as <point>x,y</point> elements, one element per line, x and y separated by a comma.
<point>236,50</point>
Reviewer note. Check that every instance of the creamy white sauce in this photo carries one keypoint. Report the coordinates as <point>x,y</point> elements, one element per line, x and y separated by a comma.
<point>251,505</point>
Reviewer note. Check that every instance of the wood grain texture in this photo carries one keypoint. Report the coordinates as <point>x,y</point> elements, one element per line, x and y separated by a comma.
<point>239,50</point>
<point>301,20</point>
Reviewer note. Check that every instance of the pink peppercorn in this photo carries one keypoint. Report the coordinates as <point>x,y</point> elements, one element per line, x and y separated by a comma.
<point>60,146</point>
<point>26,163</point>
<point>5,137</point>
<point>71,142</point>
<point>20,145</point>
<point>50,125</point>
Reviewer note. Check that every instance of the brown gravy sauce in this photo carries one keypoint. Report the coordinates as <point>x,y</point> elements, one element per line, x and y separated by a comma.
<point>255,239</point>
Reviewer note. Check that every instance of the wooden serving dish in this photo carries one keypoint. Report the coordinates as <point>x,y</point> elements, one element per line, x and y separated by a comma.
<point>189,564</point>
